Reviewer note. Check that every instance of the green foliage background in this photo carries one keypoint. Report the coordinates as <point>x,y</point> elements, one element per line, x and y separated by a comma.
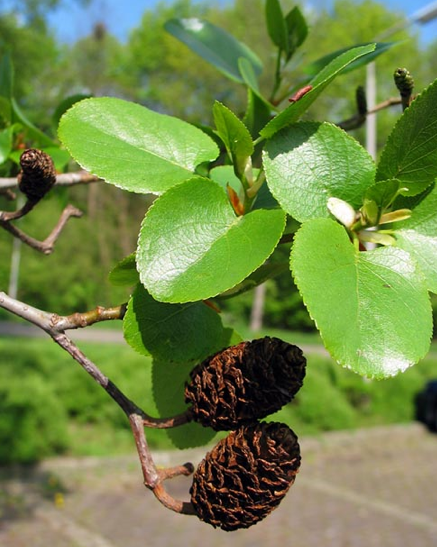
<point>49,405</point>
<point>153,69</point>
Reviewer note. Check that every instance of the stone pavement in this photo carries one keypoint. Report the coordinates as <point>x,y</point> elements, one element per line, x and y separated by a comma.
<point>372,488</point>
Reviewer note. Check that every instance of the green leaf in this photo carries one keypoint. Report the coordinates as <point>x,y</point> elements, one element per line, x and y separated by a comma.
<point>214,45</point>
<point>262,274</point>
<point>133,147</point>
<point>309,162</point>
<point>276,25</point>
<point>168,384</point>
<point>65,104</point>
<point>248,74</point>
<point>125,272</point>
<point>418,236</point>
<point>410,154</point>
<point>313,68</point>
<point>192,246</point>
<point>171,332</point>
<point>264,199</point>
<point>383,192</point>
<point>235,136</point>
<point>295,110</point>
<point>297,29</point>
<point>258,113</point>
<point>372,308</point>
<point>224,175</point>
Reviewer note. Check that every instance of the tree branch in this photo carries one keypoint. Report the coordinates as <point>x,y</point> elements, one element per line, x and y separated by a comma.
<point>63,179</point>
<point>55,325</point>
<point>358,119</point>
<point>153,479</point>
<point>46,246</point>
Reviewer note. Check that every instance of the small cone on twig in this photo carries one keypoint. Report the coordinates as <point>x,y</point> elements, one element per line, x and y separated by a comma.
<point>245,383</point>
<point>37,175</point>
<point>246,475</point>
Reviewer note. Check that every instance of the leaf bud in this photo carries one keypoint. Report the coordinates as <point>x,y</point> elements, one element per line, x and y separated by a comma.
<point>342,211</point>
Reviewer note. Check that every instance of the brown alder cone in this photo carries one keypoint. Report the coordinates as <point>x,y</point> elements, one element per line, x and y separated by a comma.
<point>246,475</point>
<point>245,383</point>
<point>37,175</point>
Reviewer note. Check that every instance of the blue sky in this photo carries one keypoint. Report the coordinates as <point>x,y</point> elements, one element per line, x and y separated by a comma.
<point>120,17</point>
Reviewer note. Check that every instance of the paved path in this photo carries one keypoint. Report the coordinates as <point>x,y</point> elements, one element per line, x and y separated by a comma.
<point>371,488</point>
<point>101,335</point>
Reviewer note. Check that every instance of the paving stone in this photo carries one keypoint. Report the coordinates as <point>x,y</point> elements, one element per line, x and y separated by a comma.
<point>370,488</point>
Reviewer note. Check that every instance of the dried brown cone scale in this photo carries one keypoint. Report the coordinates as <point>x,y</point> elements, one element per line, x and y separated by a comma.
<point>245,383</point>
<point>37,175</point>
<point>246,475</point>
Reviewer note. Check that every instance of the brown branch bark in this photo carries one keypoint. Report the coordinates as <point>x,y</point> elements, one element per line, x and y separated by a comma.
<point>358,120</point>
<point>63,179</point>
<point>55,326</point>
<point>46,246</point>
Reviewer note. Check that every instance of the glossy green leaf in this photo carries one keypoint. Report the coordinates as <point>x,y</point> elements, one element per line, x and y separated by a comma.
<point>125,272</point>
<point>308,162</point>
<point>372,308</point>
<point>133,147</point>
<point>410,154</point>
<point>295,110</point>
<point>168,384</point>
<point>214,45</point>
<point>192,246</point>
<point>276,25</point>
<point>315,67</point>
<point>171,332</point>
<point>418,236</point>
<point>235,136</point>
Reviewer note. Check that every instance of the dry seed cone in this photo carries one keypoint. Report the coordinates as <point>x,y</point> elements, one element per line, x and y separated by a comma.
<point>245,383</point>
<point>37,174</point>
<point>246,475</point>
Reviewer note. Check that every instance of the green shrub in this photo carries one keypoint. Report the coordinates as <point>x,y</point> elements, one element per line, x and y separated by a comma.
<point>49,404</point>
<point>33,422</point>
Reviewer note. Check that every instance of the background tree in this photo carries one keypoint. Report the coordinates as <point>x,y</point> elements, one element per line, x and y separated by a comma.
<point>156,70</point>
